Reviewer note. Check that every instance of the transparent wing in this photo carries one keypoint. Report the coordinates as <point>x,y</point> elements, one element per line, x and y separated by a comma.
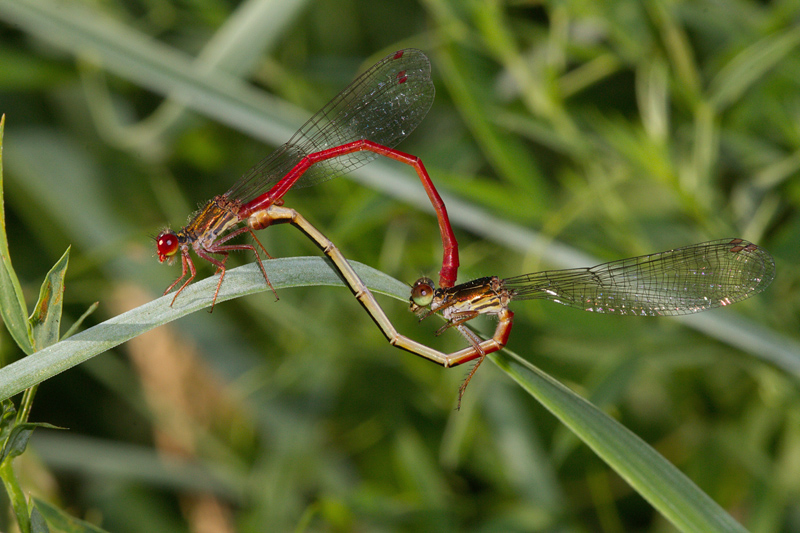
<point>676,282</point>
<point>383,105</point>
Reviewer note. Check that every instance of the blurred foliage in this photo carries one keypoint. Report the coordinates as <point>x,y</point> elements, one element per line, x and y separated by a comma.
<point>619,128</point>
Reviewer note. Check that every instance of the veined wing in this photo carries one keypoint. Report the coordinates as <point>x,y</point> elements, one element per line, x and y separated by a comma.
<point>384,105</point>
<point>677,282</point>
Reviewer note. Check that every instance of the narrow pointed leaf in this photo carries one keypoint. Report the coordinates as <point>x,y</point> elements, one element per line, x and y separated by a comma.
<point>12,303</point>
<point>46,318</point>
<point>7,419</point>
<point>61,521</point>
<point>19,437</point>
<point>74,327</point>
<point>38,523</point>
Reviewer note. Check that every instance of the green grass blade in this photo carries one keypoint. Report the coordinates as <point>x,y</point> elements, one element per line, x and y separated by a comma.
<point>749,66</point>
<point>673,494</point>
<point>283,273</point>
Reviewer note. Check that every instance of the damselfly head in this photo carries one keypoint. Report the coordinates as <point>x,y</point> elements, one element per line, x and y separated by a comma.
<point>167,246</point>
<point>421,294</point>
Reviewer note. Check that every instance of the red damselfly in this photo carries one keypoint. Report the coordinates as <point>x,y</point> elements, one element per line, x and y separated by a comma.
<point>367,119</point>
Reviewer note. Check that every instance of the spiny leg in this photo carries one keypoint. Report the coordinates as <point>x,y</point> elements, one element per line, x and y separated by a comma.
<point>220,268</point>
<point>455,320</point>
<point>218,247</point>
<point>476,343</point>
<point>261,263</point>
<point>185,260</point>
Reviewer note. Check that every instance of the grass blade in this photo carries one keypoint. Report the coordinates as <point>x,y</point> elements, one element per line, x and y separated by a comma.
<point>283,273</point>
<point>656,479</point>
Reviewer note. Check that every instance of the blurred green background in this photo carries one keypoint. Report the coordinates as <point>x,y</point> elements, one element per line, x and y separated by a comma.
<point>562,133</point>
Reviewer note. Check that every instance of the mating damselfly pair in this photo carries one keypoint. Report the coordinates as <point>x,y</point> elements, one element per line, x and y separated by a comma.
<point>368,119</point>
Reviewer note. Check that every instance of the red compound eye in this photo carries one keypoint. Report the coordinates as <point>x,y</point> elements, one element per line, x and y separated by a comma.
<point>166,245</point>
<point>422,292</point>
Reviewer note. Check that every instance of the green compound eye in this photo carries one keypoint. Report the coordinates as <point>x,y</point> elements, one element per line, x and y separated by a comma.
<point>422,292</point>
